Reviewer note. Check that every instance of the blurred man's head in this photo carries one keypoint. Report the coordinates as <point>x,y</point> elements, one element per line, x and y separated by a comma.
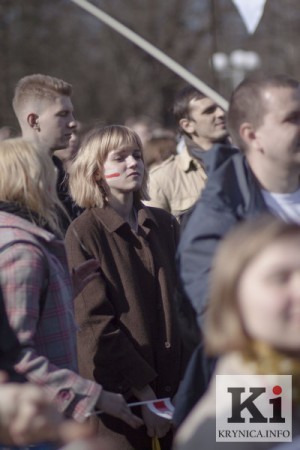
<point>44,110</point>
<point>199,117</point>
<point>252,101</point>
<point>264,121</point>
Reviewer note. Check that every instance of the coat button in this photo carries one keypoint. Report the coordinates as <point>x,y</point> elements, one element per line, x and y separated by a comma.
<point>168,388</point>
<point>167,344</point>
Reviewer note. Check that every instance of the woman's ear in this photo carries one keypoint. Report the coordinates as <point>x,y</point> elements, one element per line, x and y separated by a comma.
<point>98,175</point>
<point>102,185</point>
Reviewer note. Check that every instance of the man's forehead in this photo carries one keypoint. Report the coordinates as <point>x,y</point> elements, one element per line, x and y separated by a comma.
<point>280,96</point>
<point>201,104</point>
<point>56,104</point>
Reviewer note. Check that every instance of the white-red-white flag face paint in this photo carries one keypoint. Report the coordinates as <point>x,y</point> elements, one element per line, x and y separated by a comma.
<point>251,12</point>
<point>111,174</point>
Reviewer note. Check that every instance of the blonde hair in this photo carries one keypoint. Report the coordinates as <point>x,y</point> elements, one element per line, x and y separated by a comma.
<point>28,178</point>
<point>224,330</point>
<point>84,188</point>
<point>38,87</point>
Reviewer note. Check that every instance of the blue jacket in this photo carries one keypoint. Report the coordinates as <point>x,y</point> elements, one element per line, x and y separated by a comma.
<point>232,194</point>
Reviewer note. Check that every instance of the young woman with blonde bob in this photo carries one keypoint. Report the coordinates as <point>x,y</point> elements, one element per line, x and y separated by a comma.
<point>253,321</point>
<point>37,287</point>
<point>128,339</point>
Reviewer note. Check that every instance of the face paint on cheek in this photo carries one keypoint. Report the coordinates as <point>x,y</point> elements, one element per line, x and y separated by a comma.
<point>112,175</point>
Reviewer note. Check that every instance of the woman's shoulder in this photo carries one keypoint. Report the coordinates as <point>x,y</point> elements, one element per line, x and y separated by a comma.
<point>21,231</point>
<point>20,245</point>
<point>86,219</point>
<point>87,227</point>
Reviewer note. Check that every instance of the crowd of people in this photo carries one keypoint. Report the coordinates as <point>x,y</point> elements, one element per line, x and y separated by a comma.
<point>135,266</point>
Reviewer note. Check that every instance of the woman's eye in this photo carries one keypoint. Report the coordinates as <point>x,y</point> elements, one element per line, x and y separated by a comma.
<point>280,278</point>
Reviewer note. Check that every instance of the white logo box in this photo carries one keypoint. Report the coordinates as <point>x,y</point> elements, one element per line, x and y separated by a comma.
<point>273,404</point>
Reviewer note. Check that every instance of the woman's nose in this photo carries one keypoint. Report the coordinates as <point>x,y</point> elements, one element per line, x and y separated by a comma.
<point>131,161</point>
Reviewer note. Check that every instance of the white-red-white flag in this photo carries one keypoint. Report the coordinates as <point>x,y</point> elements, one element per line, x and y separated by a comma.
<point>163,408</point>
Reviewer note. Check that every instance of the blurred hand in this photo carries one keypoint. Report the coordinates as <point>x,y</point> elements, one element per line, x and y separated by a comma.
<point>115,405</point>
<point>156,426</point>
<point>83,274</point>
<point>26,415</point>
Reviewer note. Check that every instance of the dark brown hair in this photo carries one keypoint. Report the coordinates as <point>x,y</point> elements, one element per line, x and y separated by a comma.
<point>181,105</point>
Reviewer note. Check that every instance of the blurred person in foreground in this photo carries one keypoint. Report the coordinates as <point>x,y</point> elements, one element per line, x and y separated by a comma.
<point>252,323</point>
<point>128,338</point>
<point>37,287</point>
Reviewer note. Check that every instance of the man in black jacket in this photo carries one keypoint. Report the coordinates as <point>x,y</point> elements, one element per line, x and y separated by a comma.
<point>263,176</point>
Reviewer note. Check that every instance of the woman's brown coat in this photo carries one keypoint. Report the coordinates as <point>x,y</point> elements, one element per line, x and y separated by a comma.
<point>128,334</point>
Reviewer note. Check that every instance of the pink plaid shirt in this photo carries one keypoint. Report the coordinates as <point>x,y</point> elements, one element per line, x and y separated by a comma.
<point>37,293</point>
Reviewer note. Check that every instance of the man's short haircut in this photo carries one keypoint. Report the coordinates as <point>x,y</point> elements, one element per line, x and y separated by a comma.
<point>181,106</point>
<point>247,104</point>
<point>38,87</point>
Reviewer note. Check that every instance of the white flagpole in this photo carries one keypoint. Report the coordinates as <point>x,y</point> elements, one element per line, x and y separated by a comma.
<point>153,51</point>
<point>146,402</point>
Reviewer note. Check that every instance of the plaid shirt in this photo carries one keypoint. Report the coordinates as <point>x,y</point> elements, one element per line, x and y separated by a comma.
<point>37,293</point>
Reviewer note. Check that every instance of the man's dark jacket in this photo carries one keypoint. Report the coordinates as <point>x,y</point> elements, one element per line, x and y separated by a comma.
<point>232,194</point>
